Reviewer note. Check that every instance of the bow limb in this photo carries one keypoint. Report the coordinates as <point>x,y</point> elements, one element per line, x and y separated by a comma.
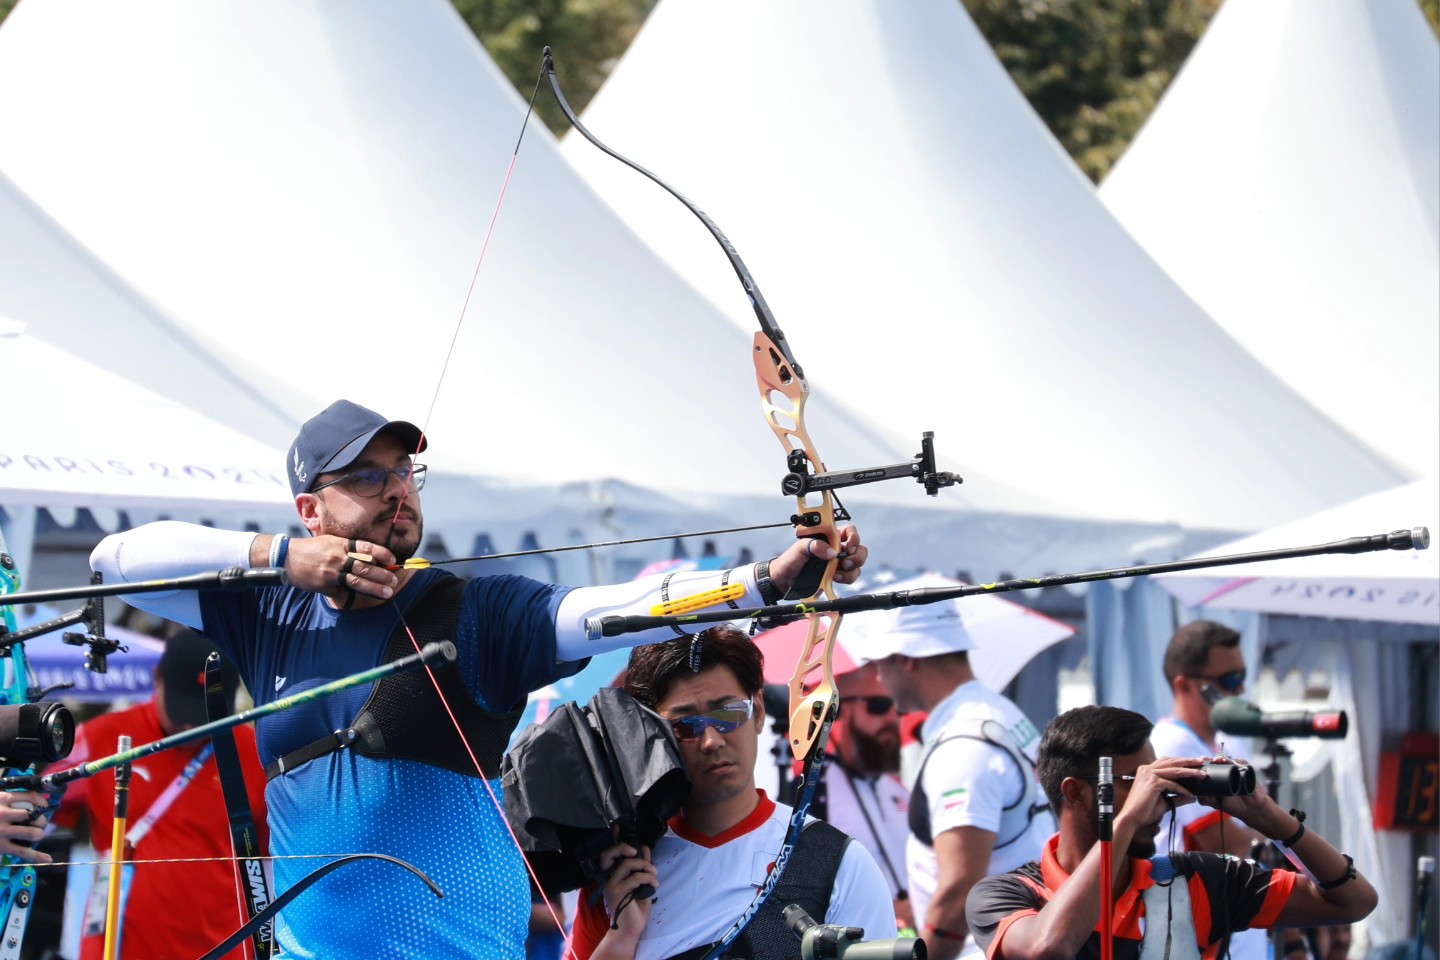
<point>279,903</point>
<point>783,391</point>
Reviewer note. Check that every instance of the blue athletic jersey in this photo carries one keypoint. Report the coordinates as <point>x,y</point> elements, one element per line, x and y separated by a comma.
<point>286,641</point>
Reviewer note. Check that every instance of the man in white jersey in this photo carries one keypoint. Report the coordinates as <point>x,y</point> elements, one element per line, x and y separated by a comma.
<point>976,807</point>
<point>1202,664</point>
<point>717,851</point>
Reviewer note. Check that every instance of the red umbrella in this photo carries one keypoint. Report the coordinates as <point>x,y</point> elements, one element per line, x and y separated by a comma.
<point>781,647</point>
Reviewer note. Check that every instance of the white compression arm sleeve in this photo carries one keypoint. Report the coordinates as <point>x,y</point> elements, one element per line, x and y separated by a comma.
<point>636,599</point>
<point>167,549</point>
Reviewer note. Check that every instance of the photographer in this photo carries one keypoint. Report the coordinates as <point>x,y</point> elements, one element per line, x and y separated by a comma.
<point>1048,910</point>
<point>706,868</point>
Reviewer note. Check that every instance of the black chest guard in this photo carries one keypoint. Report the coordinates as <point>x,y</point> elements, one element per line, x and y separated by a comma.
<point>405,719</point>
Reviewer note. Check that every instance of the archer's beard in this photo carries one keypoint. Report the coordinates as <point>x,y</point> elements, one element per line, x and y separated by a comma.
<point>875,754</point>
<point>401,539</point>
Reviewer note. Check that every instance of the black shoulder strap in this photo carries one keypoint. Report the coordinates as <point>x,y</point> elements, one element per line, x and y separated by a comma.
<point>404,718</point>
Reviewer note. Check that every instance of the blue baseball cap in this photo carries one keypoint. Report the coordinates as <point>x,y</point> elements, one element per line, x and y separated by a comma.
<point>333,438</point>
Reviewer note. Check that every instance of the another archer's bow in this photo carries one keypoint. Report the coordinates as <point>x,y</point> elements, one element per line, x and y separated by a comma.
<point>783,393</point>
<point>17,887</point>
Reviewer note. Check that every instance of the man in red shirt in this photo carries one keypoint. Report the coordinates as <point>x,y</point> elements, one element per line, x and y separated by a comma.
<point>176,811</point>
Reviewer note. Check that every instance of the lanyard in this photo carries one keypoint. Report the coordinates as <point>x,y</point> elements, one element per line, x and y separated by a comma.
<point>162,803</point>
<point>879,840</point>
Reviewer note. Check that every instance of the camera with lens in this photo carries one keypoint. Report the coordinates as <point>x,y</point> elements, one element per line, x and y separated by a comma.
<point>1221,780</point>
<point>35,733</point>
<point>831,942</point>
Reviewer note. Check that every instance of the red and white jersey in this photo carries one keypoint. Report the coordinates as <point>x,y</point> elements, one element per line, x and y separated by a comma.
<point>707,882</point>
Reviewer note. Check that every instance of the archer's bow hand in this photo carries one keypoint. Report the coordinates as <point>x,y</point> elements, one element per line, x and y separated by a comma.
<point>786,567</point>
<point>335,567</point>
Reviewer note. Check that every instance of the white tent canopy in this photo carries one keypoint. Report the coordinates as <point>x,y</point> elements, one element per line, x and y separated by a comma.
<point>67,297</point>
<point>307,186</point>
<point>104,441</point>
<point>919,232</point>
<point>1389,586</point>
<point>1289,181</point>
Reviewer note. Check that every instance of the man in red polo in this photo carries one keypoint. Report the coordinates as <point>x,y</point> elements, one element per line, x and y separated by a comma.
<point>1189,901</point>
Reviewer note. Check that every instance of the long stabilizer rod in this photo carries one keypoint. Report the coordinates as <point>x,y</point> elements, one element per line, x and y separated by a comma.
<point>1417,538</point>
<point>231,578</point>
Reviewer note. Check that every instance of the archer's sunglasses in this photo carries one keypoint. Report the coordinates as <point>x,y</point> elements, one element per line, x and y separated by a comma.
<point>727,719</point>
<point>1232,682</point>
<point>875,706</point>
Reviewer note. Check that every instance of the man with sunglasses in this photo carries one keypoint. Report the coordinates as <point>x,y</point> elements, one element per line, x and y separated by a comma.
<point>1203,663</point>
<point>384,768</point>
<point>717,850</point>
<point>975,806</point>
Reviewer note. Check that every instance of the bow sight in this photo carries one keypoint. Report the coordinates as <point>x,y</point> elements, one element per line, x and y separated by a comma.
<point>800,481</point>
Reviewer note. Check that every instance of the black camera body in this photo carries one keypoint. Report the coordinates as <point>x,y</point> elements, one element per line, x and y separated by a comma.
<point>1222,780</point>
<point>35,733</point>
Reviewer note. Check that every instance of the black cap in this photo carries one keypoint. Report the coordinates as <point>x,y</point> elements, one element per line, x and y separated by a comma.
<point>182,669</point>
<point>334,437</point>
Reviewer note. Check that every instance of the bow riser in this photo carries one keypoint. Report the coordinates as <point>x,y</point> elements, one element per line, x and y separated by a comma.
<point>783,393</point>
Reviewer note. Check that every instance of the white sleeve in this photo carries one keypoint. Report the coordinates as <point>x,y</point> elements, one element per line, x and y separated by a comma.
<point>861,896</point>
<point>637,598</point>
<point>168,549</point>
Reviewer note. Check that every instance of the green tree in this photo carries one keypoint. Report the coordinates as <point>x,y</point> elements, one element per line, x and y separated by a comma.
<point>588,36</point>
<point>1092,69</point>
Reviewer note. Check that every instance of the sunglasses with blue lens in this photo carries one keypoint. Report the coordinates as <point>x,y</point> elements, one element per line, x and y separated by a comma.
<point>727,719</point>
<point>1231,682</point>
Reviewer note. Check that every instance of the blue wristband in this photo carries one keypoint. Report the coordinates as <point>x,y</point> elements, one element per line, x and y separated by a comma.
<point>278,551</point>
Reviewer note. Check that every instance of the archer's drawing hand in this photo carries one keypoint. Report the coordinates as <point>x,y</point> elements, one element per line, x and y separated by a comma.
<point>334,566</point>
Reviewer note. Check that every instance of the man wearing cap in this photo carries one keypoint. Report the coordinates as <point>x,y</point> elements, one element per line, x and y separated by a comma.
<point>975,807</point>
<point>177,812</point>
<point>383,769</point>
